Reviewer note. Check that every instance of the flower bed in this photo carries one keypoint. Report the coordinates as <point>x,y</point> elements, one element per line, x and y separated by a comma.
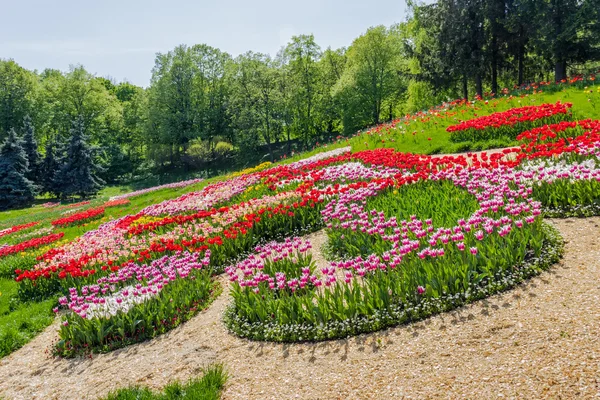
<point>391,262</point>
<point>16,228</point>
<point>116,203</point>
<point>80,218</point>
<point>398,313</point>
<point>75,205</point>
<point>29,244</point>
<point>509,123</point>
<point>408,235</point>
<point>173,290</point>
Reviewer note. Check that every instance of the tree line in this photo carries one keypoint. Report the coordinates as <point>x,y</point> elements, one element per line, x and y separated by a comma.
<point>66,169</point>
<point>205,108</point>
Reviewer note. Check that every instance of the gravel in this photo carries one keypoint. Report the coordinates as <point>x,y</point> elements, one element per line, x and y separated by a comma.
<point>539,340</point>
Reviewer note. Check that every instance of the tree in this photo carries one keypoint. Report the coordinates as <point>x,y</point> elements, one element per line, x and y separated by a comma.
<point>212,83</point>
<point>173,114</point>
<point>302,55</point>
<point>15,188</point>
<point>50,165</point>
<point>78,93</point>
<point>17,92</point>
<point>258,98</point>
<point>520,30</point>
<point>373,76</point>
<point>331,65</point>
<point>30,147</point>
<point>568,32</point>
<point>455,51</point>
<point>134,101</point>
<point>78,174</point>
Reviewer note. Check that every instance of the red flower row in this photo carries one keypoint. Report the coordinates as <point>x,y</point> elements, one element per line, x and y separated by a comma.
<point>76,268</point>
<point>580,144</point>
<point>80,218</point>
<point>177,219</point>
<point>116,203</point>
<point>16,228</point>
<point>562,130</point>
<point>512,117</point>
<point>29,244</point>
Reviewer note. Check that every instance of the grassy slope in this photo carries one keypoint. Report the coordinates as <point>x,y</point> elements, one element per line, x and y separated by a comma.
<point>19,323</point>
<point>435,129</point>
<point>16,323</point>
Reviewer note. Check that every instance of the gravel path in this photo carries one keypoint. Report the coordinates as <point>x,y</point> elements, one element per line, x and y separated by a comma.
<point>540,340</point>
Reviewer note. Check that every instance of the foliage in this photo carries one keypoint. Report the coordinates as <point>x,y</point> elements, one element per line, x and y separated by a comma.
<point>15,188</point>
<point>30,147</point>
<point>17,95</point>
<point>50,165</point>
<point>78,174</point>
<point>80,218</point>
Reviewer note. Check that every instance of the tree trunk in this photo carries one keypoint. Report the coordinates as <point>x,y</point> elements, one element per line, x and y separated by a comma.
<point>479,85</point>
<point>560,71</point>
<point>494,65</point>
<point>521,56</point>
<point>465,87</point>
<point>270,147</point>
<point>375,114</point>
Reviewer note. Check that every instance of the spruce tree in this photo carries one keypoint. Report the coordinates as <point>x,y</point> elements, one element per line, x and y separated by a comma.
<point>31,150</point>
<point>49,168</point>
<point>78,174</point>
<point>15,188</point>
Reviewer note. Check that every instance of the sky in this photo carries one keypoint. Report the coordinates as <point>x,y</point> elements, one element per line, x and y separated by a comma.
<point>119,39</point>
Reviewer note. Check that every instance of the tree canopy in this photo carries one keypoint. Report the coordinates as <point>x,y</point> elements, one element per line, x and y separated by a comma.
<point>206,109</point>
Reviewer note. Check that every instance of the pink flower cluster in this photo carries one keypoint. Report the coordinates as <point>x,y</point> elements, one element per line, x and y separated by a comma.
<point>205,199</point>
<point>250,271</point>
<point>111,294</point>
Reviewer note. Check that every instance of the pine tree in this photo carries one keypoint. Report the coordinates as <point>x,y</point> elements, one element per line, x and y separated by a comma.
<point>15,188</point>
<point>49,167</point>
<point>31,150</point>
<point>78,174</point>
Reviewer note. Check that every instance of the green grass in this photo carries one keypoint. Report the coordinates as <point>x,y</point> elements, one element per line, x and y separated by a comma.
<point>208,387</point>
<point>20,322</point>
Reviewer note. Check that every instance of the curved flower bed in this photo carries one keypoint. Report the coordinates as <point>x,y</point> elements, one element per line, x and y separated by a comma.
<point>398,313</point>
<point>173,289</point>
<point>388,262</point>
<point>509,123</point>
